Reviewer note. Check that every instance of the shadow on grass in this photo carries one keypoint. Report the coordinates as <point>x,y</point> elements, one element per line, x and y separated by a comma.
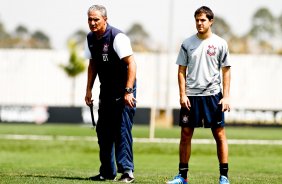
<point>47,176</point>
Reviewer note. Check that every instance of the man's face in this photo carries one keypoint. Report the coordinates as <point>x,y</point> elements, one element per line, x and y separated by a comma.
<point>97,23</point>
<point>203,24</point>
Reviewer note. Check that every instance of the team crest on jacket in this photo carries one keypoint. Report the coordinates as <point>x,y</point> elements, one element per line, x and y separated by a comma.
<point>211,50</point>
<point>106,48</point>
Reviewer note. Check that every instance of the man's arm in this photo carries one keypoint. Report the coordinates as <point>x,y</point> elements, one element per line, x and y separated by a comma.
<point>131,76</point>
<point>91,76</point>
<point>184,101</point>
<point>226,76</point>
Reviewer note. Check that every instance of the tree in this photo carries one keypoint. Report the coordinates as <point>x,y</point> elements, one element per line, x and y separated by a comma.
<point>263,24</point>
<point>21,32</point>
<point>280,23</point>
<point>4,37</point>
<point>238,45</point>
<point>75,66</point>
<point>221,28</point>
<point>139,38</point>
<point>79,37</point>
<point>40,40</point>
<point>21,37</point>
<point>3,33</point>
<point>262,32</point>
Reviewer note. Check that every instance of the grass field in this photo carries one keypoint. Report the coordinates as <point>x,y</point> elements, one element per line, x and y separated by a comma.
<point>59,161</point>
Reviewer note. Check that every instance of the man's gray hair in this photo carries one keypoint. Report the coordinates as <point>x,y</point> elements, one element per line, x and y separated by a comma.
<point>99,8</point>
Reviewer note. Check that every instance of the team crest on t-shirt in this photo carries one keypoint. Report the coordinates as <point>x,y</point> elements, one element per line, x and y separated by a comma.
<point>106,48</point>
<point>211,50</point>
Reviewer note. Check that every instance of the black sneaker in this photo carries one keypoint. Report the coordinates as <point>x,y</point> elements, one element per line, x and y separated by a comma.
<point>99,177</point>
<point>125,178</point>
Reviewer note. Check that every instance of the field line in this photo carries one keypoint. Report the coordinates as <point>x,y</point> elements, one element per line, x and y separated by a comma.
<point>140,140</point>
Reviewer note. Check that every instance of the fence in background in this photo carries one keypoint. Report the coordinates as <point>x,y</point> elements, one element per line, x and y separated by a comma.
<point>32,78</point>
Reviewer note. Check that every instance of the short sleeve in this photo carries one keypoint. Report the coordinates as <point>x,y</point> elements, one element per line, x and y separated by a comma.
<point>182,58</point>
<point>122,45</point>
<point>225,57</point>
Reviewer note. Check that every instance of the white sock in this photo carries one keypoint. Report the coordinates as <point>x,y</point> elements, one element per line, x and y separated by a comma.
<point>129,172</point>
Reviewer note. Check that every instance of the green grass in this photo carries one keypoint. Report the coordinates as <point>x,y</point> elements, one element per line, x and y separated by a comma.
<point>265,133</point>
<point>58,161</point>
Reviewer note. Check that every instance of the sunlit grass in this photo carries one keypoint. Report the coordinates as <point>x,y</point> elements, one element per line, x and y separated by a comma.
<point>58,161</point>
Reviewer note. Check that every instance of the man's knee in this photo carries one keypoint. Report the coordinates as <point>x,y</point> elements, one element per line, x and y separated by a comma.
<point>186,134</point>
<point>219,134</point>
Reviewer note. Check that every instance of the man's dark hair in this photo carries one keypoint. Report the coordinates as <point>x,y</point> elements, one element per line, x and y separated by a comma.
<point>206,10</point>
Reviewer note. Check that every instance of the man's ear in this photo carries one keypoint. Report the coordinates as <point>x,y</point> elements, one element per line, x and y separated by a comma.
<point>211,21</point>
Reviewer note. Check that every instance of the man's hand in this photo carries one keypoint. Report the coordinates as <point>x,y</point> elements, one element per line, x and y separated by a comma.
<point>88,98</point>
<point>185,102</point>
<point>129,100</point>
<point>225,104</point>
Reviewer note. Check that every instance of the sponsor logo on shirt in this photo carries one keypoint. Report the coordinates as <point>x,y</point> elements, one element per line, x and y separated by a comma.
<point>105,57</point>
<point>192,49</point>
<point>105,51</point>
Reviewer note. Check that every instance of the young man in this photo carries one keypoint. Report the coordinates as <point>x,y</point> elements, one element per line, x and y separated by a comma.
<point>201,58</point>
<point>111,58</point>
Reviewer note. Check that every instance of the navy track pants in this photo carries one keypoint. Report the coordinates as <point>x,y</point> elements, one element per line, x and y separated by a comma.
<point>115,138</point>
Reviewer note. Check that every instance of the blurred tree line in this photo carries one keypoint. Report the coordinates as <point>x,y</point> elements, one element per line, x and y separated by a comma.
<point>22,38</point>
<point>264,36</point>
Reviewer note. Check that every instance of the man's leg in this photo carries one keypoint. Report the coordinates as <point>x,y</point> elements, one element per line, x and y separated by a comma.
<point>124,142</point>
<point>105,136</point>
<point>185,150</point>
<point>107,168</point>
<point>184,156</point>
<point>222,149</point>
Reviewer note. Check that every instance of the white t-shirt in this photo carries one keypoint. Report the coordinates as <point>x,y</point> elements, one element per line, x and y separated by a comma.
<point>204,60</point>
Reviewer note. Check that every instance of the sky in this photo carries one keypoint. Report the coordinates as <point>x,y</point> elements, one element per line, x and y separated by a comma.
<point>168,22</point>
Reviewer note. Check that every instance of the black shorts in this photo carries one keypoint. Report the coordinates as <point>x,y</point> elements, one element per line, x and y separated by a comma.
<point>204,112</point>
